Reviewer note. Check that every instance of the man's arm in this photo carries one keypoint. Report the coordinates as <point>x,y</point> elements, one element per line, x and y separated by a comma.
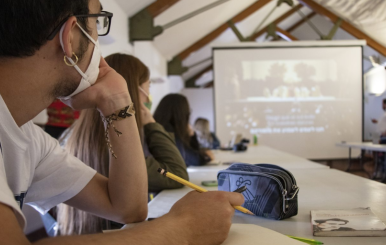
<point>123,196</point>
<point>196,219</point>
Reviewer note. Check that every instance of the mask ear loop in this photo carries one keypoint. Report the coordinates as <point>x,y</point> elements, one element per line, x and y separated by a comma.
<point>66,58</point>
<point>143,91</point>
<point>148,95</point>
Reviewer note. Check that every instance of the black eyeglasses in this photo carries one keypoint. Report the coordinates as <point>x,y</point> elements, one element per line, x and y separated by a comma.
<point>103,23</point>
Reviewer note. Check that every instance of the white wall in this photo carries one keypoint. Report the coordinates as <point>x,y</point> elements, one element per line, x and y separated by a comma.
<point>161,84</point>
<point>118,39</point>
<point>201,104</point>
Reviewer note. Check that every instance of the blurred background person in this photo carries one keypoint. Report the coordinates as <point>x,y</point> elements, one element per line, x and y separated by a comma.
<point>207,139</point>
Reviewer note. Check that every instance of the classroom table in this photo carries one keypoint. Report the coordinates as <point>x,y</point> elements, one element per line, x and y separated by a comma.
<point>259,154</point>
<point>319,189</point>
<point>363,146</point>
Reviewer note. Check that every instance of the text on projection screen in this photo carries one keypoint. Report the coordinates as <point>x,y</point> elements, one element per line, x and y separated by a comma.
<point>302,100</point>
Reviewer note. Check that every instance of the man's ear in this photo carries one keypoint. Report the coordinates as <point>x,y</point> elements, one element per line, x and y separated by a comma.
<point>68,36</point>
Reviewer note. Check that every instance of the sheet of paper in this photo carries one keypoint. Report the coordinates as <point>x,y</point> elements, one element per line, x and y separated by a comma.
<point>245,234</point>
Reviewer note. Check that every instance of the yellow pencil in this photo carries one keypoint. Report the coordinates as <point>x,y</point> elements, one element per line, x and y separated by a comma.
<point>196,187</point>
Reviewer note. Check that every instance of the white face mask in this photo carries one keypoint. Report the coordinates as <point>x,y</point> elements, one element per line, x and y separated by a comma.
<point>90,76</point>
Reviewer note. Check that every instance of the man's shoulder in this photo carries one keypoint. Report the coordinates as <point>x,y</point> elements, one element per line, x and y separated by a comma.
<point>36,133</point>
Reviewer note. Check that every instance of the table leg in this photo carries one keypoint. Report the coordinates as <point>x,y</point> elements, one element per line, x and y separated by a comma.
<point>363,164</point>
<point>349,160</point>
<point>375,165</point>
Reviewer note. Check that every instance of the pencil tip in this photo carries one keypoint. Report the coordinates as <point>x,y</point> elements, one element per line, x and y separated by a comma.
<point>250,213</point>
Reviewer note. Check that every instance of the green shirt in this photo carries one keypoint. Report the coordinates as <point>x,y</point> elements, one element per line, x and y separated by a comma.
<point>164,154</point>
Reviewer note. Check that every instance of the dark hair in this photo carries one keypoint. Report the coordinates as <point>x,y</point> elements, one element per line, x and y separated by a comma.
<point>384,101</point>
<point>26,25</point>
<point>173,113</point>
<point>135,73</point>
<point>321,221</point>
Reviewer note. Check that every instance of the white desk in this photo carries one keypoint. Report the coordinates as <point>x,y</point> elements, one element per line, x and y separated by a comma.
<point>363,146</point>
<point>319,189</point>
<point>260,154</point>
<point>369,147</point>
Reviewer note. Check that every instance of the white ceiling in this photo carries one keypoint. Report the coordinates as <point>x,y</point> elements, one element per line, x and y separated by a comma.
<point>179,37</point>
<point>131,7</point>
<point>368,15</point>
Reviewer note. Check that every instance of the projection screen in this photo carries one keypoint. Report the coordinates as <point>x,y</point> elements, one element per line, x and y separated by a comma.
<point>300,99</point>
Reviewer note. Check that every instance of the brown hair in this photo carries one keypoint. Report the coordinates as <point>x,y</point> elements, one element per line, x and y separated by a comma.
<point>86,141</point>
<point>173,113</point>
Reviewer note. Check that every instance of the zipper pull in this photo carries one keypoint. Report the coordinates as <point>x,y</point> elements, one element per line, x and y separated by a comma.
<point>285,201</point>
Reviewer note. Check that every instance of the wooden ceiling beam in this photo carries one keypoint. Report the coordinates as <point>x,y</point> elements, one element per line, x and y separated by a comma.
<point>285,34</point>
<point>159,6</point>
<point>300,22</point>
<point>347,26</point>
<point>191,82</point>
<point>202,72</point>
<point>219,30</point>
<point>277,21</point>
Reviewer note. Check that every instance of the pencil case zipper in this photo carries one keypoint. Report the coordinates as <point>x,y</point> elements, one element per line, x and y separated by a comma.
<point>283,173</point>
<point>280,169</point>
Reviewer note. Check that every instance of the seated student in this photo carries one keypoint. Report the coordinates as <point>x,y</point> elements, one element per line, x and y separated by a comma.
<point>207,139</point>
<point>173,113</point>
<point>160,149</point>
<point>38,39</point>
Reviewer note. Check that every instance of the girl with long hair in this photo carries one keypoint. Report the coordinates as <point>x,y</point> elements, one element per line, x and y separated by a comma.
<point>86,140</point>
<point>173,113</point>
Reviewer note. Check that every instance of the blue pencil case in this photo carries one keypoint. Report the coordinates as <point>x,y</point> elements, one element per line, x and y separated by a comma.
<point>271,192</point>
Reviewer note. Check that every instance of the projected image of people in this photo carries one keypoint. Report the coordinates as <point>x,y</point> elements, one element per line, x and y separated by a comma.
<point>302,95</point>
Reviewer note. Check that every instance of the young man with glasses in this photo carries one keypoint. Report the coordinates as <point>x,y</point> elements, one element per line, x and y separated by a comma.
<point>49,49</point>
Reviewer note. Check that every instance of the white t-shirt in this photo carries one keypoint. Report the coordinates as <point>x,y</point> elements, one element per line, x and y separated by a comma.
<point>34,169</point>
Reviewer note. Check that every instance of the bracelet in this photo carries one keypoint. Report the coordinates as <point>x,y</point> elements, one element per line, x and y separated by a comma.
<point>118,115</point>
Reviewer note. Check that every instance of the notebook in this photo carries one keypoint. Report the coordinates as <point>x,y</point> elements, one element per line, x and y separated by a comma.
<point>356,222</point>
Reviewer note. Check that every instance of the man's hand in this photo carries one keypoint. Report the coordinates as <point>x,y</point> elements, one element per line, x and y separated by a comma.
<point>205,218</point>
<point>108,94</point>
<point>146,115</point>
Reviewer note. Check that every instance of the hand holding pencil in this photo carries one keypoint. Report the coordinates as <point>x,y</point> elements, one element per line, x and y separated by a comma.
<point>202,218</point>
<point>196,187</point>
